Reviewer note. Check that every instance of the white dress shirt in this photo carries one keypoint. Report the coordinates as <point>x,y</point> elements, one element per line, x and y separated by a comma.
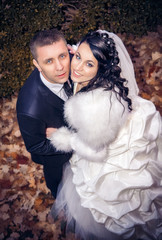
<point>56,88</point>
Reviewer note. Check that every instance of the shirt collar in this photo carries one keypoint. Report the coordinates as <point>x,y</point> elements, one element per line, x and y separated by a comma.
<point>55,86</point>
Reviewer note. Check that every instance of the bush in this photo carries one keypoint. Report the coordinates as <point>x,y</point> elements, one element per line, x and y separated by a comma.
<point>21,19</point>
<point>120,16</point>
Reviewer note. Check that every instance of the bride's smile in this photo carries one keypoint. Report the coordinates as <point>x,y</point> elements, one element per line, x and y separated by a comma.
<point>84,65</point>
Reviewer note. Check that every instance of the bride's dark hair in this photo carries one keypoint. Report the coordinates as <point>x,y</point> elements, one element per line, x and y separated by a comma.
<point>108,75</point>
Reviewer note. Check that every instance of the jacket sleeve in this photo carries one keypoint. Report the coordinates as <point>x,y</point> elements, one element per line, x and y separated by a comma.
<point>61,139</point>
<point>33,133</point>
<point>87,152</point>
<point>66,140</point>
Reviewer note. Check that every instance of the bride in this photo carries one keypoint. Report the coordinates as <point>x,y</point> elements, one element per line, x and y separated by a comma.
<point>112,188</point>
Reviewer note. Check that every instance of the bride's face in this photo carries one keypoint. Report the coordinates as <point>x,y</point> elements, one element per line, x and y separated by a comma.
<point>84,65</point>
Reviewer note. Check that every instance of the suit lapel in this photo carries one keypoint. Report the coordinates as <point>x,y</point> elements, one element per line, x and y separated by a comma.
<point>49,96</point>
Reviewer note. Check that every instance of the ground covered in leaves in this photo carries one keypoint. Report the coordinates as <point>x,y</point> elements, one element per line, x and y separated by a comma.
<point>25,201</point>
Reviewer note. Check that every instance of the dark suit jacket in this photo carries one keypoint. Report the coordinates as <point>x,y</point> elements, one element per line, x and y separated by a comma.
<point>37,109</point>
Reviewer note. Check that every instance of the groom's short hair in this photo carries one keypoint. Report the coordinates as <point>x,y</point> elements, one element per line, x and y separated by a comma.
<point>44,38</point>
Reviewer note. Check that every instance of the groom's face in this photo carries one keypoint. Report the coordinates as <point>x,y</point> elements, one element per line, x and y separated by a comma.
<point>53,62</point>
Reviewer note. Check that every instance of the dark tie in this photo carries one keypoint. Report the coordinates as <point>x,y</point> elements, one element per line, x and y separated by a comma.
<point>68,89</point>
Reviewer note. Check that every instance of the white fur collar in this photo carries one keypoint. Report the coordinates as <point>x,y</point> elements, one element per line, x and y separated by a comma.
<point>96,115</point>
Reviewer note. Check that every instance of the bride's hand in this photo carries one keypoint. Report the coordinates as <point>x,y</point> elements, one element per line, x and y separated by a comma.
<point>49,132</point>
<point>72,49</point>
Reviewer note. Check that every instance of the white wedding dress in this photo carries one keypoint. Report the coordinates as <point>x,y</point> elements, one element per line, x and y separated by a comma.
<point>119,196</point>
<point>112,188</point>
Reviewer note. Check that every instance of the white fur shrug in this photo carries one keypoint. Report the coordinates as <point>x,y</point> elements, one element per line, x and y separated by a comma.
<point>95,118</point>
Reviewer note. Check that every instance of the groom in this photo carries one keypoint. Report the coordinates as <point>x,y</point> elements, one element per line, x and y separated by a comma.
<point>41,100</point>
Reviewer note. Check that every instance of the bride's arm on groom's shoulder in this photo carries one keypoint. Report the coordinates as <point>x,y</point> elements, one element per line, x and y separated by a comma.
<point>72,48</point>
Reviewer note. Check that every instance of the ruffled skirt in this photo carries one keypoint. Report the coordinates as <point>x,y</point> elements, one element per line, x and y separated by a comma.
<point>78,219</point>
<point>81,221</point>
<point>120,197</point>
